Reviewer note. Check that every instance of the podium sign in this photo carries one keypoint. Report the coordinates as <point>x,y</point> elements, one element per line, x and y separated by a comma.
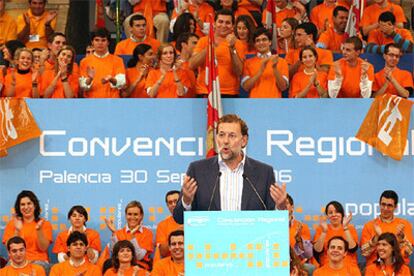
<point>236,243</point>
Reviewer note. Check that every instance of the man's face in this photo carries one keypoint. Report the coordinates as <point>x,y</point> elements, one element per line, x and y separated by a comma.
<point>57,44</point>
<point>172,201</point>
<point>139,28</point>
<point>262,44</point>
<point>392,57</point>
<point>191,43</point>
<point>386,27</point>
<point>37,7</point>
<point>100,44</point>
<point>176,247</point>
<point>349,53</point>
<point>387,207</point>
<point>340,20</point>
<point>17,253</point>
<point>223,25</point>
<point>230,141</point>
<point>302,38</point>
<point>133,217</point>
<point>77,250</point>
<point>336,251</point>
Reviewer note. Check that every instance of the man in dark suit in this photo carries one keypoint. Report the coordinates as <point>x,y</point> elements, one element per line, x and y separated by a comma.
<point>231,181</point>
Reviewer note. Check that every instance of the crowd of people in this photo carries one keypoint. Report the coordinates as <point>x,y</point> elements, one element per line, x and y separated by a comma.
<point>165,55</point>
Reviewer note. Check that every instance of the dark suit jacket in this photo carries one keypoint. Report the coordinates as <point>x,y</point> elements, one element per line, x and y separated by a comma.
<point>206,173</point>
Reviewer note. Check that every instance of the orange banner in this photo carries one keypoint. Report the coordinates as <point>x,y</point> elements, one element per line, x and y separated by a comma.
<point>17,124</point>
<point>385,127</point>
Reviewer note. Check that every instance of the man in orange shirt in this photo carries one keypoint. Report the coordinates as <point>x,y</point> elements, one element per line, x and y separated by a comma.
<point>18,264</point>
<point>229,55</point>
<point>186,42</point>
<point>265,76</point>
<point>387,222</point>
<point>36,25</point>
<point>337,250</point>
<point>76,264</point>
<point>321,15</point>
<point>391,79</point>
<point>351,77</point>
<point>138,29</point>
<point>102,74</point>
<point>8,26</point>
<point>173,265</point>
<point>334,36</point>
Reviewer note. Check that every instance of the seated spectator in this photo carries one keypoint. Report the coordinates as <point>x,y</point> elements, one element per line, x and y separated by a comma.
<point>8,25</point>
<point>78,216</point>
<point>138,29</point>
<point>37,53</point>
<point>369,20</point>
<point>333,37</point>
<point>18,263</point>
<point>62,81</point>
<point>386,30</point>
<point>22,81</point>
<point>286,40</point>
<point>311,82</point>
<point>123,261</point>
<point>168,225</point>
<point>169,80</point>
<point>306,34</point>
<point>351,77</point>
<point>229,55</point>
<point>389,260</point>
<point>158,9</point>
<point>36,231</point>
<point>135,232</point>
<point>337,251</point>
<point>391,79</point>
<point>173,265</point>
<point>102,74</point>
<point>55,42</point>
<point>339,225</point>
<point>254,8</point>
<point>265,75</point>
<point>244,31</point>
<point>139,65</point>
<point>321,15</point>
<point>76,264</point>
<point>387,222</point>
<point>184,23</point>
<point>285,9</point>
<point>36,25</point>
<point>89,50</point>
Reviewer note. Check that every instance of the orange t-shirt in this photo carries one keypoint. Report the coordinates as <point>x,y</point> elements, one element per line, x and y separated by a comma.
<point>332,40</point>
<point>249,5</point>
<point>164,228</point>
<point>403,77</point>
<point>346,270</point>
<point>378,37</point>
<point>351,78</point>
<point>368,232</point>
<point>375,270</point>
<point>23,87</point>
<point>325,57</point>
<point>350,258</point>
<point>29,269</point>
<point>128,272</point>
<point>167,267</point>
<point>139,91</point>
<point>127,46</point>
<point>29,234</point>
<point>320,14</point>
<point>8,28</point>
<point>157,6</point>
<point>300,80</point>
<point>66,269</point>
<point>229,81</point>
<point>305,232</point>
<point>37,37</point>
<point>168,88</point>
<point>372,13</point>
<point>109,65</point>
<point>94,241</point>
<point>46,79</point>
<point>265,86</point>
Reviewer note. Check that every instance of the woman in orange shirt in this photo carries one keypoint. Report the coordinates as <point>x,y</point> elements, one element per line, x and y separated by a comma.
<point>62,81</point>
<point>22,81</point>
<point>137,71</point>
<point>286,40</point>
<point>78,216</point>
<point>309,83</point>
<point>389,261</point>
<point>124,261</point>
<point>167,81</point>
<point>244,29</point>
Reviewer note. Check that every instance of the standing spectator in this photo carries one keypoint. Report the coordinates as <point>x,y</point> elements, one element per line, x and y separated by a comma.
<point>333,38</point>
<point>351,76</point>
<point>36,25</point>
<point>8,26</point>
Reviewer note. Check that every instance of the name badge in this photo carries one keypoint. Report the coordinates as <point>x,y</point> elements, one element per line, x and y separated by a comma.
<point>34,38</point>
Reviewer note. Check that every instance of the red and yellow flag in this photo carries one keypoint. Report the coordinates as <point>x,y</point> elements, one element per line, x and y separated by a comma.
<point>385,127</point>
<point>17,124</point>
<point>214,109</point>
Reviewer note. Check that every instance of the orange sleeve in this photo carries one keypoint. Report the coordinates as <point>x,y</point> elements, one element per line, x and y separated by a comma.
<point>201,45</point>
<point>185,80</point>
<point>366,234</point>
<point>378,83</point>
<point>8,231</point>
<point>60,243</point>
<point>94,239</point>
<point>145,240</point>
<point>317,233</point>
<point>370,73</point>
<point>47,230</point>
<point>152,78</point>
<point>296,84</point>
<point>283,68</point>
<point>354,233</point>
<point>119,50</point>
<point>74,83</point>
<point>406,79</point>
<point>408,231</point>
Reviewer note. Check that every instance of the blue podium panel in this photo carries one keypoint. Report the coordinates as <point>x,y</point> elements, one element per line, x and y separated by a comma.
<point>236,243</point>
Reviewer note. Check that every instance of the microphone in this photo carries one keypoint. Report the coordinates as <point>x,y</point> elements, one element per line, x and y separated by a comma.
<point>214,190</point>
<point>255,191</point>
